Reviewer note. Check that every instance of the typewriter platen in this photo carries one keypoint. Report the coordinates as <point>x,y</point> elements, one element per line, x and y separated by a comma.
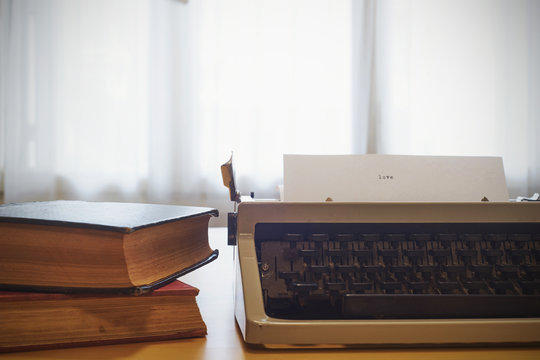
<point>387,273</point>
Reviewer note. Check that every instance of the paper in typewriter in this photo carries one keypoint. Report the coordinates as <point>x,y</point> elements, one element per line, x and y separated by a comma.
<point>393,178</point>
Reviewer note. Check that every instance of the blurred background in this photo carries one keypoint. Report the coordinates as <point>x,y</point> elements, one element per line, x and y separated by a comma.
<point>143,100</point>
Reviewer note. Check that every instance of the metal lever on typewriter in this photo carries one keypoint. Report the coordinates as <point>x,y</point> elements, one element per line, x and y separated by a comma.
<point>227,173</point>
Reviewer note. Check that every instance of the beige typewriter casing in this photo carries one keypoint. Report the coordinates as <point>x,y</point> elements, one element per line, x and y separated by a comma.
<point>259,328</point>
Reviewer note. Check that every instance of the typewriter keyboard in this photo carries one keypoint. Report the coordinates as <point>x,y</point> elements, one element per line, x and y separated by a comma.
<point>399,270</point>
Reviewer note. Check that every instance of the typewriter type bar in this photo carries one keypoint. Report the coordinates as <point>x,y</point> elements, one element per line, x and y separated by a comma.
<point>388,273</point>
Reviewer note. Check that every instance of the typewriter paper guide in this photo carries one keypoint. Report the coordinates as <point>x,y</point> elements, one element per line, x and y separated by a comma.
<point>393,178</point>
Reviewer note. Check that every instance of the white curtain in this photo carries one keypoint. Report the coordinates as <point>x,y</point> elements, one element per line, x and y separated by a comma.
<point>260,78</point>
<point>74,92</point>
<point>142,100</point>
<point>458,77</point>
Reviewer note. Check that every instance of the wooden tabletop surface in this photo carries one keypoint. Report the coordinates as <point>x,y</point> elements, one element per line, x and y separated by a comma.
<point>224,340</point>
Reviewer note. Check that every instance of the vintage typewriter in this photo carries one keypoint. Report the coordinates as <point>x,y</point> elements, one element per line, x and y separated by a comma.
<point>386,273</point>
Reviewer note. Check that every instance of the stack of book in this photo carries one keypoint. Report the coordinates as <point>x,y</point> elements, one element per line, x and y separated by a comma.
<point>78,273</point>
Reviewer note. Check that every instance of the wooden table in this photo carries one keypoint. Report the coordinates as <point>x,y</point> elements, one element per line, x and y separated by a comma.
<point>224,340</point>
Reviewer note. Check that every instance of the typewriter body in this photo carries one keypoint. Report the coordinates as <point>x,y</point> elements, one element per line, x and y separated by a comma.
<point>385,273</point>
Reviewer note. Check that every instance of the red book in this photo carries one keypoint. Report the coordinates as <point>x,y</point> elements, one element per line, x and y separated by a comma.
<point>31,321</point>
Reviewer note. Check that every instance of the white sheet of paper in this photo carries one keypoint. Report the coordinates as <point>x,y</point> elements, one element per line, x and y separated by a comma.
<point>393,178</point>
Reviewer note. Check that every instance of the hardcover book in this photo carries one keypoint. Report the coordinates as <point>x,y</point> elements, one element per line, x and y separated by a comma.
<point>76,246</point>
<point>32,321</point>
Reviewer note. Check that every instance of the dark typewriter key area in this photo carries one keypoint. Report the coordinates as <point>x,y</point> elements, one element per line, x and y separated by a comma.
<point>399,271</point>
